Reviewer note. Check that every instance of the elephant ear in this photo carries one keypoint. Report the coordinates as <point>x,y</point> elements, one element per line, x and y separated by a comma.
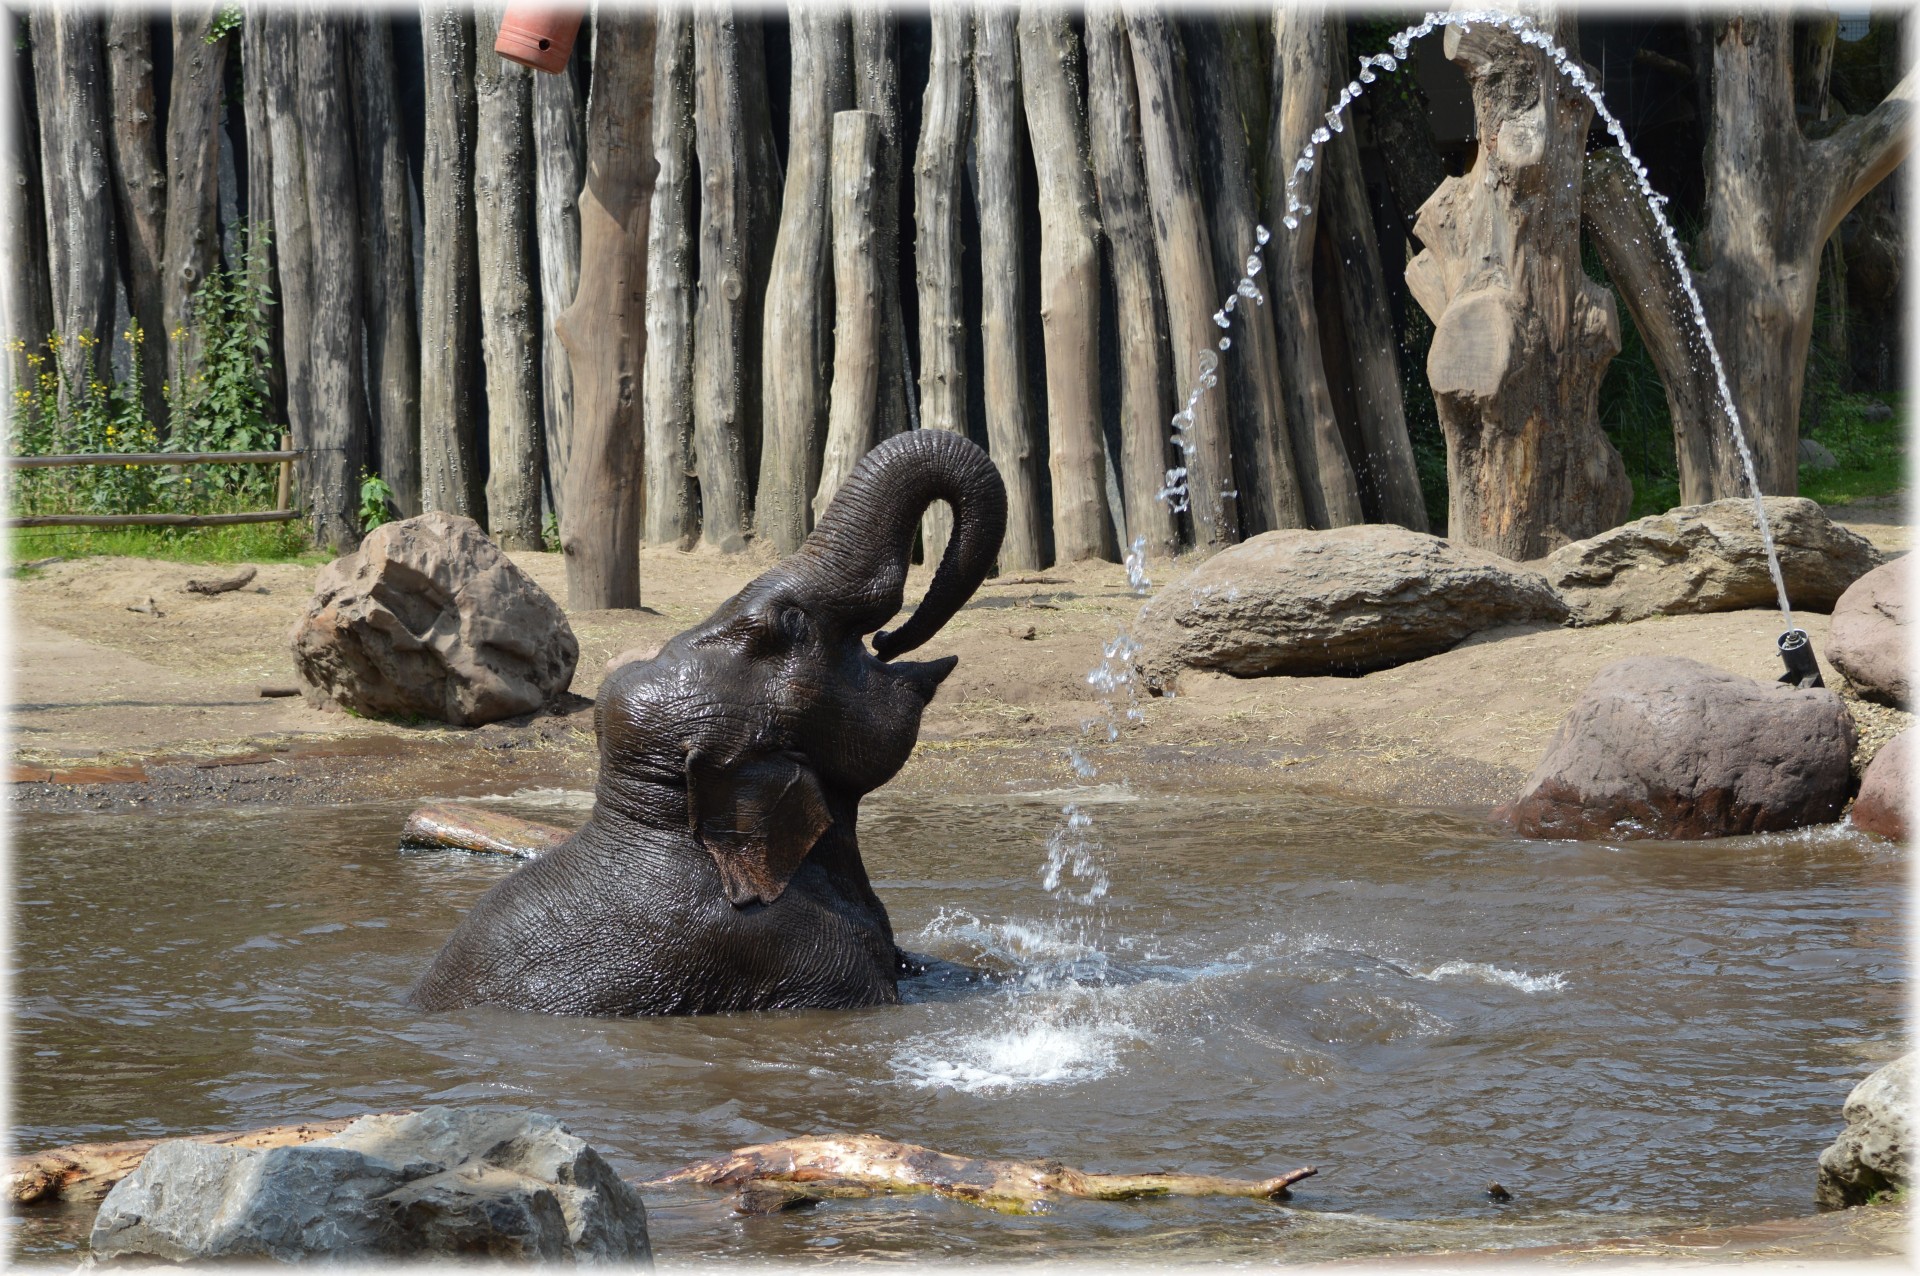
<point>757,817</point>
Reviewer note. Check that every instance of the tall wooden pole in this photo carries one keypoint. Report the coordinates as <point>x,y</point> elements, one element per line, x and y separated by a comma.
<point>71,84</point>
<point>672,504</point>
<point>140,193</point>
<point>559,121</point>
<point>451,474</point>
<point>193,182</point>
<point>938,169</point>
<point>853,425</point>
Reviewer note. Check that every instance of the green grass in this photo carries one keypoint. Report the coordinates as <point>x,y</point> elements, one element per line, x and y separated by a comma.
<point>1872,454</point>
<point>241,543</point>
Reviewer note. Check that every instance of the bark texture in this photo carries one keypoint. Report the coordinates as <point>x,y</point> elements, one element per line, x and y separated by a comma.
<point>605,327</point>
<point>800,288</point>
<point>1521,336</point>
<point>945,125</point>
<point>262,237</point>
<point>876,90</point>
<point>559,123</point>
<point>1011,429</point>
<point>1050,75</point>
<point>853,424</point>
<point>70,80</point>
<point>139,193</point>
<point>509,308</point>
<point>451,474</point>
<point>672,505</point>
<point>193,181</point>
<point>25,289</point>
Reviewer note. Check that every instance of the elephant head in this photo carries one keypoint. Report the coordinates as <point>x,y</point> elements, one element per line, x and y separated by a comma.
<point>720,867</point>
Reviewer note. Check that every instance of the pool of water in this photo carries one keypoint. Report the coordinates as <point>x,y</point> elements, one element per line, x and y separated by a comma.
<point>1626,1037</point>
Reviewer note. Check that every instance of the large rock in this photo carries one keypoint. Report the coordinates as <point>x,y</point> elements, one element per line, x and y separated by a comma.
<point>1868,638</point>
<point>1702,558</point>
<point>1346,601</point>
<point>429,619</point>
<point>1871,1156</point>
<point>456,1181</point>
<point>1886,789</point>
<point>1663,746</point>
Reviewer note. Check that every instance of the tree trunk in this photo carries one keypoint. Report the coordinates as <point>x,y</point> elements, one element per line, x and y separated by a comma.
<point>1299,100</point>
<point>605,327</point>
<point>937,171</point>
<point>450,459</point>
<point>672,506</point>
<point>852,416</point>
<point>1263,470</point>
<point>734,137</point>
<point>193,183</point>
<point>262,235</point>
<point>335,432</point>
<point>386,262</point>
<point>278,55</point>
<point>876,89</point>
<point>1069,287</point>
<point>1773,200</point>
<point>140,194</point>
<point>1010,426</point>
<point>25,288</point>
<point>800,286</point>
<point>559,120</point>
<point>1186,271</point>
<point>1387,477</point>
<point>70,80</point>
<point>509,315</point>
<point>1521,335</point>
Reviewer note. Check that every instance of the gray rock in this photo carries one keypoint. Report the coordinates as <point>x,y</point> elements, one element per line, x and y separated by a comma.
<point>1666,747</point>
<point>429,619</point>
<point>1876,410</point>
<point>1868,639</point>
<point>1886,789</point>
<point>1703,558</point>
<point>458,1181</point>
<point>1871,1156</point>
<point>1346,601</point>
<point>1815,456</point>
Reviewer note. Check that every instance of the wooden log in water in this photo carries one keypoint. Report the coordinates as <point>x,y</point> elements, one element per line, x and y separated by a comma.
<point>775,1176</point>
<point>444,826</point>
<point>88,1171</point>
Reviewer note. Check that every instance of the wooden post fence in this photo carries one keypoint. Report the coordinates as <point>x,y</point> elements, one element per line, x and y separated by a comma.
<point>286,456</point>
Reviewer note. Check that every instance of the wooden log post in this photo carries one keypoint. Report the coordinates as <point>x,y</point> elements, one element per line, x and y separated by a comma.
<point>262,236</point>
<point>70,82</point>
<point>1186,272</point>
<point>192,235</point>
<point>559,123</point>
<point>451,473</point>
<point>275,60</point>
<point>1052,89</point>
<point>876,90</point>
<point>1521,336</point>
<point>739,168</point>
<point>672,497</point>
<point>1302,54</point>
<point>605,328</point>
<point>799,296</point>
<point>26,291</point>
<point>938,167</point>
<point>1011,430</point>
<point>853,424</point>
<point>137,161</point>
<point>509,306</point>
<point>1263,468</point>
<point>386,262</point>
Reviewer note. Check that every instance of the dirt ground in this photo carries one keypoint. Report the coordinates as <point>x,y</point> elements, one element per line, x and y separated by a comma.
<point>113,706</point>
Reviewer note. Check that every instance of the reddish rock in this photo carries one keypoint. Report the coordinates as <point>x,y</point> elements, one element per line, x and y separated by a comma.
<point>1868,639</point>
<point>1666,747</point>
<point>1886,789</point>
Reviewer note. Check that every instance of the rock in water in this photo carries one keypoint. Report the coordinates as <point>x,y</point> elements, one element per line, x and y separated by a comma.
<point>1886,788</point>
<point>1347,601</point>
<point>458,1181</point>
<point>1702,558</point>
<point>1872,1154</point>
<point>1868,640</point>
<point>1663,746</point>
<point>428,618</point>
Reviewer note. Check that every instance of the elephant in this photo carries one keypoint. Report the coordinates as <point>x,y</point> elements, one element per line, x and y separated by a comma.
<point>720,868</point>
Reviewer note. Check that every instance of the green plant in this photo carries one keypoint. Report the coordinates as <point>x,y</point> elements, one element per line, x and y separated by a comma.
<point>550,533</point>
<point>226,21</point>
<point>376,501</point>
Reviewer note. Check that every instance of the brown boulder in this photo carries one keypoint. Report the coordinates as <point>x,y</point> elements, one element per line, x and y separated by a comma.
<point>1703,558</point>
<point>429,619</point>
<point>1868,639</point>
<point>1885,789</point>
<point>1347,601</point>
<point>1666,747</point>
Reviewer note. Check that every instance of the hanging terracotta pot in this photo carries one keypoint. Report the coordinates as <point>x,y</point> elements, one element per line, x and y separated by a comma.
<point>538,36</point>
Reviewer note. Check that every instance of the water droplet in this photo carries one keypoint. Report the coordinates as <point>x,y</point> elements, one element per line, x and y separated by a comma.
<point>1388,62</point>
<point>1253,264</point>
<point>1335,123</point>
<point>1366,75</point>
<point>1354,90</point>
<point>1321,135</point>
<point>1290,222</point>
<point>1220,318</point>
<point>1261,235</point>
<point>1226,343</point>
<point>1306,210</point>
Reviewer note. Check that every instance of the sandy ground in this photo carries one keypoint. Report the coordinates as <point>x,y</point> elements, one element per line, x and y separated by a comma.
<point>112,706</point>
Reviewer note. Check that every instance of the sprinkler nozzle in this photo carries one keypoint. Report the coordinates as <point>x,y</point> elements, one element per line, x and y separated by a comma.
<point>1803,671</point>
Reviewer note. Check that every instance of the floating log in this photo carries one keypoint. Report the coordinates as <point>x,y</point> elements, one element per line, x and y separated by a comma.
<point>88,1171</point>
<point>777,1176</point>
<point>440,826</point>
<point>223,584</point>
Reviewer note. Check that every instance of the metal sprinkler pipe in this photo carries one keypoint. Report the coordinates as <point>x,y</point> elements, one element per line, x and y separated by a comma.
<point>1803,671</point>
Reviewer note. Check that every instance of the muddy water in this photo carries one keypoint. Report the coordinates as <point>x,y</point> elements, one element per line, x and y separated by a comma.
<point>1625,1037</point>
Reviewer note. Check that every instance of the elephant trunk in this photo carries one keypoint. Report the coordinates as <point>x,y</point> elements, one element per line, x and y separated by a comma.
<point>859,549</point>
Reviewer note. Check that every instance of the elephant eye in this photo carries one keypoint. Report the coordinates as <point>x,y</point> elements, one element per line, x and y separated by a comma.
<point>793,623</point>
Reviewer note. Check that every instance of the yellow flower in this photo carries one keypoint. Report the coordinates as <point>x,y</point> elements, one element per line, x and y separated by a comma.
<point>86,340</point>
